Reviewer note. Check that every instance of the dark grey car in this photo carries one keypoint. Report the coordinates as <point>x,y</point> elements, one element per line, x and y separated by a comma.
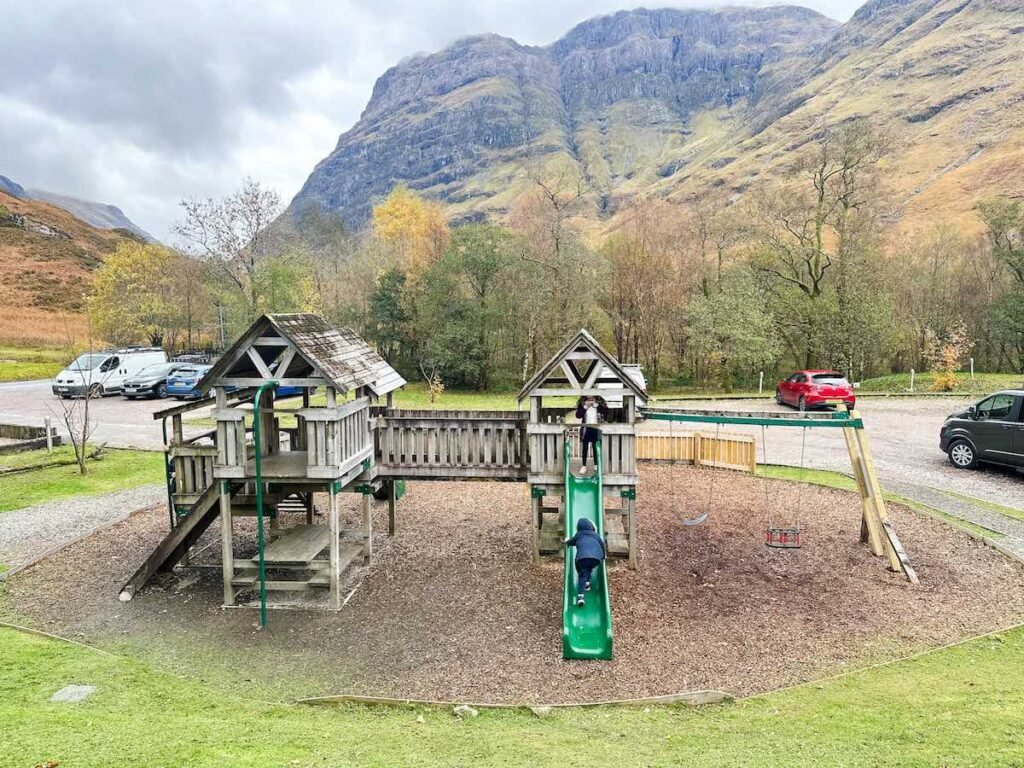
<point>991,431</point>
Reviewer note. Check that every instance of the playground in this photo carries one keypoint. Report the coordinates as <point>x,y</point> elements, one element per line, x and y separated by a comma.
<point>348,547</point>
<point>452,608</point>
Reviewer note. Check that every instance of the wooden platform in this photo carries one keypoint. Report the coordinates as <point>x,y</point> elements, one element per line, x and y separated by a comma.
<point>248,576</point>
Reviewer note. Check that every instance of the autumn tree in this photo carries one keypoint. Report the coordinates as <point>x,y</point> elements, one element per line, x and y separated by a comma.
<point>148,291</point>
<point>559,276</point>
<point>232,235</point>
<point>1004,224</point>
<point>650,273</point>
<point>416,230</point>
<point>828,211</point>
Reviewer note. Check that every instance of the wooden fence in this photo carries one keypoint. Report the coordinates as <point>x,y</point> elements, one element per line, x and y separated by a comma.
<point>729,451</point>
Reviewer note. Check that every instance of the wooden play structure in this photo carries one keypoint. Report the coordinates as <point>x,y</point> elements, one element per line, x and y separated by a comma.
<point>263,459</point>
<point>265,456</point>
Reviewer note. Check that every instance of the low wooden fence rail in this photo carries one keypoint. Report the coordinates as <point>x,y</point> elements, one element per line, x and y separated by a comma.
<point>728,451</point>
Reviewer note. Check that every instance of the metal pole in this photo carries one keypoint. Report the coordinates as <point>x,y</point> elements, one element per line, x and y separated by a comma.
<point>760,383</point>
<point>49,434</point>
<point>911,379</point>
<point>972,369</point>
<point>257,418</point>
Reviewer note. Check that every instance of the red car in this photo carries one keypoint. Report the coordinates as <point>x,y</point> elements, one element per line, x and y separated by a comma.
<point>814,389</point>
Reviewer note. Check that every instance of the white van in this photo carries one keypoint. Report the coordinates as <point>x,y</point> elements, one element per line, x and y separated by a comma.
<point>636,374</point>
<point>104,373</point>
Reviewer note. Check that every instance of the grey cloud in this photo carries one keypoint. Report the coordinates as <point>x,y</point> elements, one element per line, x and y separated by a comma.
<point>141,104</point>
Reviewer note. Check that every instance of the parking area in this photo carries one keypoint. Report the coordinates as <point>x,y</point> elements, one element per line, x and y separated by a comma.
<point>120,423</point>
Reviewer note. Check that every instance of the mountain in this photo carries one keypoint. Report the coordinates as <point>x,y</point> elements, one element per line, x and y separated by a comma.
<point>47,258</point>
<point>11,188</point>
<point>678,102</point>
<point>99,215</point>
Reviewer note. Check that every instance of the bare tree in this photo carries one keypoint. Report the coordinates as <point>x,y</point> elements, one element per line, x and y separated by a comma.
<point>73,412</point>
<point>232,234</point>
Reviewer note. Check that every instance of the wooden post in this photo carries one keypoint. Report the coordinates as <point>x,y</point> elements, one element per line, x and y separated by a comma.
<point>335,574</point>
<point>49,434</point>
<point>179,436</point>
<point>696,449</point>
<point>309,507</point>
<point>392,503</point>
<point>631,528</point>
<point>535,521</point>
<point>898,560</point>
<point>390,402</point>
<point>227,535</point>
<point>869,527</point>
<point>367,527</point>
<point>630,403</point>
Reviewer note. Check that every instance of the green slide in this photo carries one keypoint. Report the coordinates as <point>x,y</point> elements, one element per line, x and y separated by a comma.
<point>586,630</point>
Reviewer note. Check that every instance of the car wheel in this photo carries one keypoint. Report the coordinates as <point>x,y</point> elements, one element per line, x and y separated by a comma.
<point>962,455</point>
<point>161,391</point>
<point>802,404</point>
<point>778,396</point>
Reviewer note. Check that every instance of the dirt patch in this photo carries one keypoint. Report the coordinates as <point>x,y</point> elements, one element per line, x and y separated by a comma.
<point>452,608</point>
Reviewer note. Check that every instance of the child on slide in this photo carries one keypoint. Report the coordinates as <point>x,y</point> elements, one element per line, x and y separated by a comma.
<point>590,551</point>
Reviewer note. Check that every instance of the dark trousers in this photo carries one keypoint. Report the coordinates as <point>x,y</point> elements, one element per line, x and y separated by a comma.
<point>584,566</point>
<point>588,437</point>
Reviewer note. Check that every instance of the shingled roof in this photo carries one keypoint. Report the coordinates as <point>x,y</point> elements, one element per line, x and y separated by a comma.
<point>337,355</point>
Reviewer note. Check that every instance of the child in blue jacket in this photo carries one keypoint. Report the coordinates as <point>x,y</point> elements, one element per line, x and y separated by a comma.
<point>590,551</point>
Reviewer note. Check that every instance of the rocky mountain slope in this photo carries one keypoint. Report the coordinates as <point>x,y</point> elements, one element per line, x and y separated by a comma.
<point>675,103</point>
<point>99,215</point>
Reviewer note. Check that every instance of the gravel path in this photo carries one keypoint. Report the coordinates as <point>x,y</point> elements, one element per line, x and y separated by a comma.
<point>27,533</point>
<point>1012,529</point>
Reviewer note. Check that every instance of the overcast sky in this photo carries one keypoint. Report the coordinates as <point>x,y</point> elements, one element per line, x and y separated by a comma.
<point>143,103</point>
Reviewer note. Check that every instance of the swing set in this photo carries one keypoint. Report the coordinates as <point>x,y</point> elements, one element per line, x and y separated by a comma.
<point>876,530</point>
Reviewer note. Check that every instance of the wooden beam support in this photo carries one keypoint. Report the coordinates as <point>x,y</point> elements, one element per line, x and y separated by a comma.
<point>335,571</point>
<point>870,525</point>
<point>258,362</point>
<point>227,535</point>
<point>367,528</point>
<point>392,504</point>
<point>535,523</point>
<point>245,381</point>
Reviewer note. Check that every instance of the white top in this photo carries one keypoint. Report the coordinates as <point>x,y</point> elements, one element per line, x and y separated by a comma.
<point>590,415</point>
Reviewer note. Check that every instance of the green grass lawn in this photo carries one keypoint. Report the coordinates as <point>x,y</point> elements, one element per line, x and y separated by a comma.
<point>20,364</point>
<point>117,470</point>
<point>959,706</point>
<point>981,384</point>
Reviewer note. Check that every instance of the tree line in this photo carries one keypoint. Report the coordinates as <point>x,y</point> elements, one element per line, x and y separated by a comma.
<point>799,272</point>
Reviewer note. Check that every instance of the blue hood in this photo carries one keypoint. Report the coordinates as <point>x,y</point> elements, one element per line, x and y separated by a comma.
<point>584,525</point>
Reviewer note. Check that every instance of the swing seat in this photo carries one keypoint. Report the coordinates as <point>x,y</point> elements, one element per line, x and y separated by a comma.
<point>783,538</point>
<point>696,520</point>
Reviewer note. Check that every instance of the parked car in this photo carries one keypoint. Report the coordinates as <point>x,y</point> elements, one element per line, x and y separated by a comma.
<point>815,389</point>
<point>989,432</point>
<point>184,382</point>
<point>151,381</point>
<point>104,373</point>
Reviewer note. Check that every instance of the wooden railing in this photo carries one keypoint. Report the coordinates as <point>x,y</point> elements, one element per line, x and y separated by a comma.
<point>193,471</point>
<point>337,439</point>
<point>232,451</point>
<point>547,448</point>
<point>452,444</point>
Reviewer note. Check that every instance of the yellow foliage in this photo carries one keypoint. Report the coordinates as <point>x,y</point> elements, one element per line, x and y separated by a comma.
<point>415,229</point>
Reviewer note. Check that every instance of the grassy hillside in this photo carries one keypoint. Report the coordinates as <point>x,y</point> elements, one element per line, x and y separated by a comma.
<point>47,258</point>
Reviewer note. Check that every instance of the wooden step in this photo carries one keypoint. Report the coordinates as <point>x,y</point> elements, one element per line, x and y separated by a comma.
<point>297,545</point>
<point>249,577</point>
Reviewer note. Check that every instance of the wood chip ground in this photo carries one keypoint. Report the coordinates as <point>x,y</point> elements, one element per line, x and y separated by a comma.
<point>453,609</point>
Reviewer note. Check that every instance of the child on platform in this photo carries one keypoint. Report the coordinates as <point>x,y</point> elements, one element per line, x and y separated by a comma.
<point>590,411</point>
<point>590,551</point>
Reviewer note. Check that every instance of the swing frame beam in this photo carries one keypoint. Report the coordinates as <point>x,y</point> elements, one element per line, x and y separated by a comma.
<point>876,530</point>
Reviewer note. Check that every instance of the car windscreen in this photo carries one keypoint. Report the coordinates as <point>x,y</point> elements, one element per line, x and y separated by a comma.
<point>87,362</point>
<point>186,373</point>
<point>833,379</point>
<point>154,371</point>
